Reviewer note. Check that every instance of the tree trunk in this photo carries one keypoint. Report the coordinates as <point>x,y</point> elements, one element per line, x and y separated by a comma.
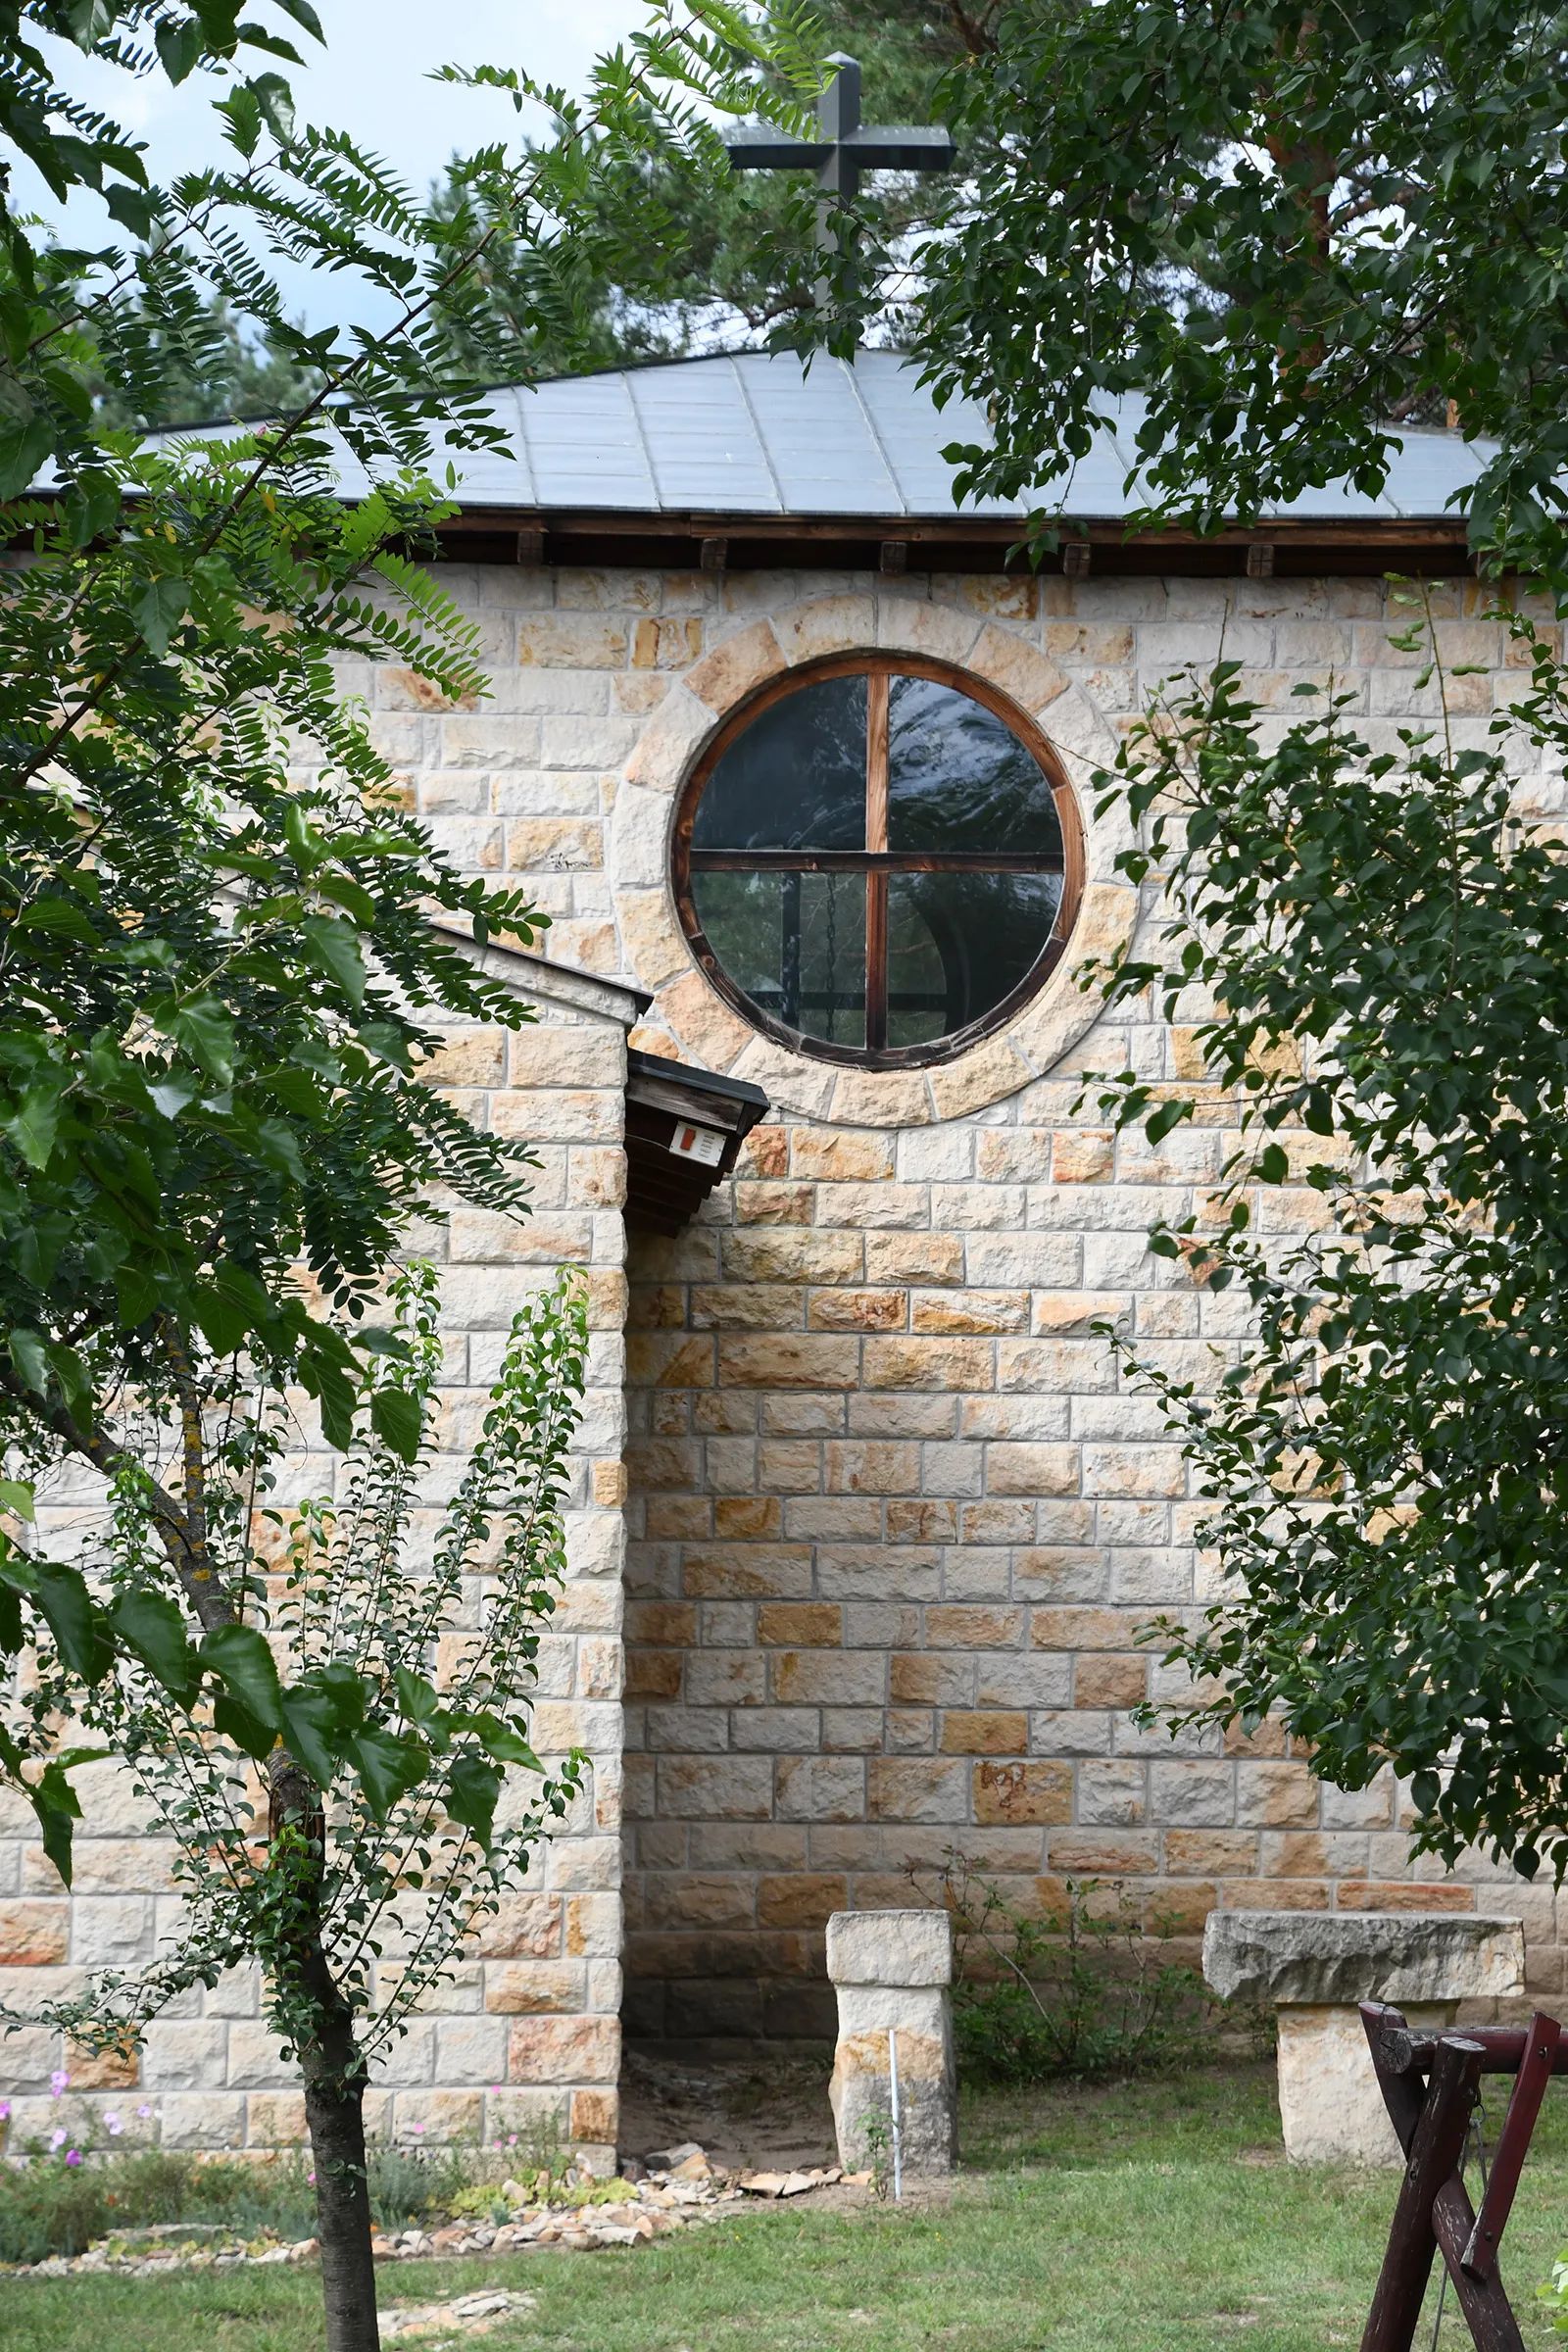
<point>334,2076</point>
<point>334,2109</point>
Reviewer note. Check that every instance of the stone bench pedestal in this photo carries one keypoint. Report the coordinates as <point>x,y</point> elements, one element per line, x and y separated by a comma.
<point>1315,1966</point>
<point>892,1969</point>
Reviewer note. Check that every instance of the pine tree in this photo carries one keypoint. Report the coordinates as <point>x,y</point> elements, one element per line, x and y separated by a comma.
<point>719,265</point>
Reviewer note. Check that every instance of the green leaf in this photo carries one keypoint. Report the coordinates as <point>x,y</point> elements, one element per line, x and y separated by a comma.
<point>75,1382</point>
<point>310,1727</point>
<point>133,209</point>
<point>242,1660</point>
<point>171,1094</point>
<point>179,48</point>
<point>62,1595</point>
<point>234,1720</point>
<point>389,1765</point>
<point>335,1396</point>
<point>347,1693</point>
<point>276,102</point>
<point>350,893</point>
<point>16,1494</point>
<point>280,1147</point>
<point>61,917</point>
<point>204,1028</point>
<point>23,451</point>
<point>158,609</point>
<point>1159,1122</point>
<point>242,111</point>
<point>303,14</point>
<point>224,1322</point>
<point>418,1698</point>
<point>504,1743</point>
<point>397,1418</point>
<point>334,947</point>
<point>474,1789</point>
<point>28,1355</point>
<point>1274,1164</point>
<point>57,1806</point>
<point>154,1627</point>
<point>34,1127</point>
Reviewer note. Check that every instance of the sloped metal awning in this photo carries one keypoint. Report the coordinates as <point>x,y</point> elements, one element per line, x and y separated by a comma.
<point>684,1130</point>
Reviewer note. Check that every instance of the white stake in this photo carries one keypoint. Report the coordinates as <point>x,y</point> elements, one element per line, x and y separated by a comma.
<point>893,2086</point>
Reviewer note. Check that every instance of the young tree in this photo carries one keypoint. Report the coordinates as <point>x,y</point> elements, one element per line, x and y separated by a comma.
<point>218,968</point>
<point>356,1874</point>
<point>1385,951</point>
<point>1289,231</point>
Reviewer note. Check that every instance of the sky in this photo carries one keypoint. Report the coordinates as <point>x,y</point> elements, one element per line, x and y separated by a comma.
<point>370,80</point>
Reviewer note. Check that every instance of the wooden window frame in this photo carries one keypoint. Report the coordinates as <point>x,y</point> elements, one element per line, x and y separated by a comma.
<point>876,862</point>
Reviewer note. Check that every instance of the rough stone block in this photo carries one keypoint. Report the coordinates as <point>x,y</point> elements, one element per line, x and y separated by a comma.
<point>1315,1966</point>
<point>892,1970</point>
<point>1330,2105</point>
<point>1288,1957</point>
<point>890,1947</point>
<point>203,2120</point>
<point>564,2049</point>
<point>35,1935</point>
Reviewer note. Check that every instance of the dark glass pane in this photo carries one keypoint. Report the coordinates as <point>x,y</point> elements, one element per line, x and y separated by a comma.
<point>795,944</point>
<point>795,779</point>
<point>959,779</point>
<point>958,944</point>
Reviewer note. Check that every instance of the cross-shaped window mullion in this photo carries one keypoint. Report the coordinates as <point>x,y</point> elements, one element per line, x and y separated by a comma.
<point>877,842</point>
<point>887,861</point>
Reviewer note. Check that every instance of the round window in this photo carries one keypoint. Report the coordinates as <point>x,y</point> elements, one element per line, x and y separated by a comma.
<point>877,859</point>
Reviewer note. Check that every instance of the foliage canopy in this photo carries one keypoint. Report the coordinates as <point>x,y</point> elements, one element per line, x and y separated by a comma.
<point>1283,234</point>
<point>1285,229</point>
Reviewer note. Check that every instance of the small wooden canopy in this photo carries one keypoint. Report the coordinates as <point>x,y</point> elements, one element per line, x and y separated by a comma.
<point>684,1130</point>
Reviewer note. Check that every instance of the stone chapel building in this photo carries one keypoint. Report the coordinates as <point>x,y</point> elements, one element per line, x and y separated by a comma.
<point>865,1521</point>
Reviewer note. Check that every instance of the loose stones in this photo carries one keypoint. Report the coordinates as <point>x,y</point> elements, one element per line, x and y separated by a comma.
<point>1314,1967</point>
<point>891,1970</point>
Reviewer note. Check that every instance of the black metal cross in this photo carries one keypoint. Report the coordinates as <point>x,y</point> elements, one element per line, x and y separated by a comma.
<point>846,148</point>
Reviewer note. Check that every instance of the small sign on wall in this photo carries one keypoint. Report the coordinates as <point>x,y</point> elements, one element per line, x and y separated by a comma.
<point>697,1142</point>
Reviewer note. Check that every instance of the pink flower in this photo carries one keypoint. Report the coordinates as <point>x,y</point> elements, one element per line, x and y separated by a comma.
<point>418,2129</point>
<point>144,2113</point>
<point>513,2141</point>
<point>72,2156</point>
<point>5,2111</point>
<point>309,2180</point>
<point>57,2139</point>
<point>59,2081</point>
<point>114,2126</point>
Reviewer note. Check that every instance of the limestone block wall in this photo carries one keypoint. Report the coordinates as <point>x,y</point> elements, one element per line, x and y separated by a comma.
<point>895,1520</point>
<point>527,2038</point>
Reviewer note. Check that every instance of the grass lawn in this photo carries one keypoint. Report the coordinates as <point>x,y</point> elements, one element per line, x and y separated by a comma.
<point>1154,2216</point>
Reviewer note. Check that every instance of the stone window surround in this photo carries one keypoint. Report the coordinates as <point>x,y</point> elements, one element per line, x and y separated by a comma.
<point>688,1007</point>
<point>1001,1010</point>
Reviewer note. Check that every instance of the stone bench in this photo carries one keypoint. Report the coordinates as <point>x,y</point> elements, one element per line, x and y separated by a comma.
<point>1314,1966</point>
<point>893,1970</point>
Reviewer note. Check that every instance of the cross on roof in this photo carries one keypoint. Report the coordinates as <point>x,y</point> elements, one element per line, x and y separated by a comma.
<point>846,148</point>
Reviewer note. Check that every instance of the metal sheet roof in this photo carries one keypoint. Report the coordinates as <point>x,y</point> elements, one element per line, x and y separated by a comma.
<point>756,433</point>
